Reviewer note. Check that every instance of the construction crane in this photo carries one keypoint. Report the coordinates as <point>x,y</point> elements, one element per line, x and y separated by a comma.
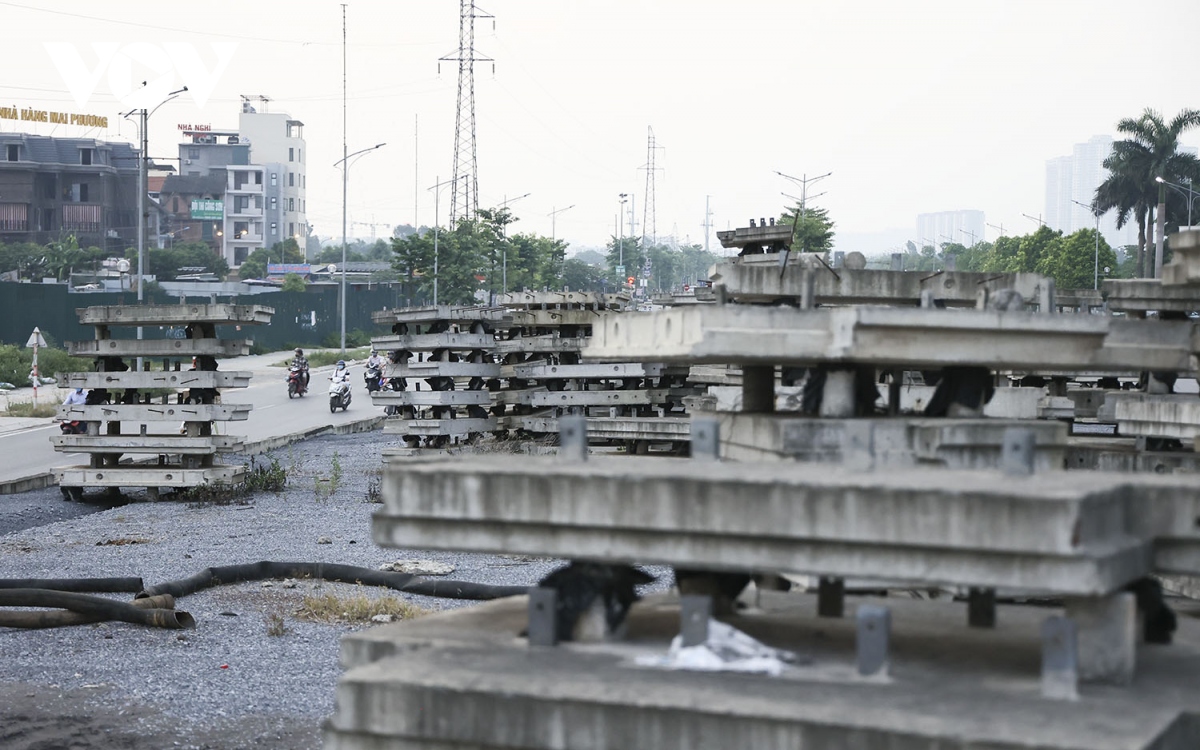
<point>372,225</point>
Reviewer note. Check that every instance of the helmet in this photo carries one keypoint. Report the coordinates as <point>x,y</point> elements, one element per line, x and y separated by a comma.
<point>341,363</point>
<point>79,390</point>
<point>299,352</point>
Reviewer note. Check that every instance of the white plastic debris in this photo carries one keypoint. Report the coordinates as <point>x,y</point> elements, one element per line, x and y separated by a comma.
<point>726,650</point>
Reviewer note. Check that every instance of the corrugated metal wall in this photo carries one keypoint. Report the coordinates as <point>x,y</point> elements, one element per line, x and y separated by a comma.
<point>301,318</point>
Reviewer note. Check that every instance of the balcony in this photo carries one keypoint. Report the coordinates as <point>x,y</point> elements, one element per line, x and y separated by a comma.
<point>14,217</point>
<point>81,217</point>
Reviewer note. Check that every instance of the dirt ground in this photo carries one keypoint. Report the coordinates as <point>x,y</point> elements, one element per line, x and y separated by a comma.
<point>38,718</point>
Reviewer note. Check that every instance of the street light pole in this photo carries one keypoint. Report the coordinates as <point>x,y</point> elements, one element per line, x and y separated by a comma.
<point>437,194</point>
<point>1191,194</point>
<point>553,218</point>
<point>1096,268</point>
<point>621,232</point>
<point>345,162</point>
<point>803,182</point>
<point>504,244</point>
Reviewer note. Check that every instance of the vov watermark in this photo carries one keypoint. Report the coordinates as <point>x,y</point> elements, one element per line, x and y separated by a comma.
<point>141,74</point>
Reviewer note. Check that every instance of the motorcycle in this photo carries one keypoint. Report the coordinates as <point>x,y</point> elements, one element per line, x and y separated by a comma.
<point>374,379</point>
<point>73,427</point>
<point>339,392</point>
<point>295,381</point>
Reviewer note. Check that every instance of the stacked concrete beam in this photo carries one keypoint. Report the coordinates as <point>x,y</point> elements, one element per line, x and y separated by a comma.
<point>635,403</point>
<point>444,373</point>
<point>121,424</point>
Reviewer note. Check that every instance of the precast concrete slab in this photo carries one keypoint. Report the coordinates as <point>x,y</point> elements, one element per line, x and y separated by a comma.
<point>1139,296</point>
<point>892,442</point>
<point>1184,268</point>
<point>1133,346</point>
<point>1052,531</point>
<point>179,379</point>
<point>465,679</point>
<point>612,428</point>
<point>175,315</point>
<point>447,427</point>
<point>547,344</point>
<point>156,412</point>
<point>159,348</point>
<point>596,371</point>
<point>168,444</point>
<point>1125,455</point>
<point>431,369</point>
<point>1160,416</point>
<point>549,299</point>
<point>922,338</point>
<point>757,279</point>
<point>136,475</point>
<point>535,318</point>
<point>438,314</point>
<point>426,342</point>
<point>544,398</point>
<point>431,398</point>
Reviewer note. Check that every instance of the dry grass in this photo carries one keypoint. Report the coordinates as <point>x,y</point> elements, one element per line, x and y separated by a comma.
<point>122,541</point>
<point>354,609</point>
<point>28,409</point>
<point>276,625</point>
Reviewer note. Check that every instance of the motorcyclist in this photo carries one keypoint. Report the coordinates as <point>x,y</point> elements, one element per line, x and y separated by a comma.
<point>301,362</point>
<point>374,362</point>
<point>76,396</point>
<point>341,372</point>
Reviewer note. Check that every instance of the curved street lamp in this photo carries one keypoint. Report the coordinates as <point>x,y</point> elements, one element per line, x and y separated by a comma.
<point>1191,194</point>
<point>1096,268</point>
<point>345,162</point>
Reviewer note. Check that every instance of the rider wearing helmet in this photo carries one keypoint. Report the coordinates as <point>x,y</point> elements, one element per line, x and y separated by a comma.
<point>301,362</point>
<point>374,362</point>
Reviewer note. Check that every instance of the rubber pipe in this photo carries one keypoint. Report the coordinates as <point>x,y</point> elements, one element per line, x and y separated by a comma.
<point>266,569</point>
<point>106,609</point>
<point>79,585</point>
<point>61,618</point>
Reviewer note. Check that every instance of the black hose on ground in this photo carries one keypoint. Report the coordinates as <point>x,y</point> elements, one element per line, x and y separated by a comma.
<point>60,618</point>
<point>265,569</point>
<point>78,585</point>
<point>106,609</point>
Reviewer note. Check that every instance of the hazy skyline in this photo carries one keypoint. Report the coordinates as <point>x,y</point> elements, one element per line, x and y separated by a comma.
<point>915,107</point>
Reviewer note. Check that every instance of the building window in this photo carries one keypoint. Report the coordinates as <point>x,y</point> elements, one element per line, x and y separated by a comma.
<point>14,152</point>
<point>291,179</point>
<point>258,202</point>
<point>240,254</point>
<point>258,178</point>
<point>274,177</point>
<point>239,180</point>
<point>300,155</point>
<point>291,205</point>
<point>241,229</point>
<point>175,205</point>
<point>47,219</point>
<point>274,228</point>
<point>303,181</point>
<point>193,153</point>
<point>291,229</point>
<point>85,156</point>
<point>291,154</point>
<point>274,202</point>
<point>78,192</point>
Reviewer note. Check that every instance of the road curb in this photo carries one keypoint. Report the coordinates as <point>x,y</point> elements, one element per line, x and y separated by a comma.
<point>46,479</point>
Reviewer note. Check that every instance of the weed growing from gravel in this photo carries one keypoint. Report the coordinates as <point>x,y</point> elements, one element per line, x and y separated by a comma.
<point>258,478</point>
<point>276,625</point>
<point>375,487</point>
<point>335,472</point>
<point>358,608</point>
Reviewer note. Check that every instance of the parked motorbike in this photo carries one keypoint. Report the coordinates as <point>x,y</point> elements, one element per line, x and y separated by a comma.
<point>374,379</point>
<point>339,391</point>
<point>73,427</point>
<point>295,381</point>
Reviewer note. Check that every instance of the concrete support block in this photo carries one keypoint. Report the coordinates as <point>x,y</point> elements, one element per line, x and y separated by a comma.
<point>572,438</point>
<point>694,613</point>
<point>837,399</point>
<point>1060,672</point>
<point>981,608</point>
<point>758,389</point>
<point>543,609</point>
<point>1107,637</point>
<point>1017,451</point>
<point>873,640</point>
<point>706,438</point>
<point>831,597</point>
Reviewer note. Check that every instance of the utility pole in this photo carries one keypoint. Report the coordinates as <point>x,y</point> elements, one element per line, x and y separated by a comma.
<point>465,165</point>
<point>707,224</point>
<point>803,181</point>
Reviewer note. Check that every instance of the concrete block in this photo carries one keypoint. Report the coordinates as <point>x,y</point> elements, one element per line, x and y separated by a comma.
<point>175,315</point>
<point>180,379</point>
<point>874,640</point>
<point>1106,628</point>
<point>1160,416</point>
<point>156,412</point>
<point>183,348</point>
<point>1060,659</point>
<point>694,613</point>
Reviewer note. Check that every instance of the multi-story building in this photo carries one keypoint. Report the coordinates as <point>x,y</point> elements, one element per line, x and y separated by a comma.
<point>194,209</point>
<point>963,227</point>
<point>54,187</point>
<point>1071,181</point>
<point>263,164</point>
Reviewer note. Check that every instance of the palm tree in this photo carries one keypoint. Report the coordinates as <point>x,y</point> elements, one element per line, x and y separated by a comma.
<point>1151,150</point>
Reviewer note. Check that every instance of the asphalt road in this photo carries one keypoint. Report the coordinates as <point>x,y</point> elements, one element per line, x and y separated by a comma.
<point>27,452</point>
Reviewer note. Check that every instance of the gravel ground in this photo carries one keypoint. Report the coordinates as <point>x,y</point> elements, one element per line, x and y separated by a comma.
<point>228,683</point>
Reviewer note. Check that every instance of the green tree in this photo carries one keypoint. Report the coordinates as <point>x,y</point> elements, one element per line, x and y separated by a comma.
<point>580,276</point>
<point>287,251</point>
<point>255,266</point>
<point>1150,150</point>
<point>626,251</point>
<point>1071,260</point>
<point>333,254</point>
<point>814,234</point>
<point>293,282</point>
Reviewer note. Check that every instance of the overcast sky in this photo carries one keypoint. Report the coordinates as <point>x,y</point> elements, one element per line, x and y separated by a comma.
<point>913,106</point>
